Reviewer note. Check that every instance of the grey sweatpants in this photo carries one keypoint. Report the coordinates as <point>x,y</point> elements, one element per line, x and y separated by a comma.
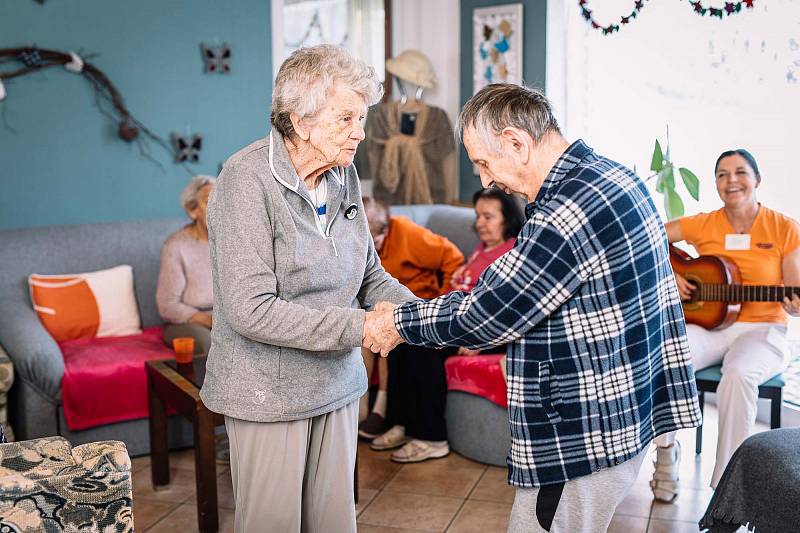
<point>295,476</point>
<point>582,505</point>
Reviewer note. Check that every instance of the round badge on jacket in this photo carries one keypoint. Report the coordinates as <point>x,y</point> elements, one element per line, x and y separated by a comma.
<point>351,212</point>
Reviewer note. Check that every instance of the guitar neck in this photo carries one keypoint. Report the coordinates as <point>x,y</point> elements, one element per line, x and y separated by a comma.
<point>711,292</point>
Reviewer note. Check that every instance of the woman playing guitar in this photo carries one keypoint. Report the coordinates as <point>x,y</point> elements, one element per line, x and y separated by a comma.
<point>765,246</point>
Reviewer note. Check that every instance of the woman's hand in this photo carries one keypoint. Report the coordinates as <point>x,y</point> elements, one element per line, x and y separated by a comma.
<point>467,351</point>
<point>685,287</point>
<point>792,306</point>
<point>204,319</point>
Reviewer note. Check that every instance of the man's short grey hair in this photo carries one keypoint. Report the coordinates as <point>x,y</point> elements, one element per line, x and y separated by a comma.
<point>501,105</point>
<point>307,76</point>
<point>192,190</point>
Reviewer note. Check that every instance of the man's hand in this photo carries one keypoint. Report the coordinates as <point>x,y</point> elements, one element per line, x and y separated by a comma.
<point>380,335</point>
<point>468,352</point>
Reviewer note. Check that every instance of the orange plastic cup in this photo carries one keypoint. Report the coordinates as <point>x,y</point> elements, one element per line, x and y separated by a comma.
<point>184,349</point>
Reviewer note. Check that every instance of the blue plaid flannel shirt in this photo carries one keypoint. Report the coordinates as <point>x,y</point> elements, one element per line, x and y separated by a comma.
<point>598,359</point>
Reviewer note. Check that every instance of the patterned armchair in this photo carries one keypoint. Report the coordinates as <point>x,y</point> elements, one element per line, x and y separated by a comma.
<point>46,485</point>
<point>6,380</point>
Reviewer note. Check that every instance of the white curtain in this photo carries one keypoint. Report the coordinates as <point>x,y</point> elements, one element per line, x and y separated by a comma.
<point>355,24</point>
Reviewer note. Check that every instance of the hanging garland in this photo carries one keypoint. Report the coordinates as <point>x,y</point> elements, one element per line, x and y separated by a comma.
<point>730,8</point>
<point>611,28</point>
<point>37,59</point>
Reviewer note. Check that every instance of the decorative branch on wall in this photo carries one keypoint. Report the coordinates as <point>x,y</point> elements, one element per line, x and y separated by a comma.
<point>37,59</point>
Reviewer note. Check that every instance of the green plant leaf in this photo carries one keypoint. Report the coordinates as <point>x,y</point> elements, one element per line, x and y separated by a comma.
<point>660,184</point>
<point>673,205</point>
<point>657,163</point>
<point>668,174</point>
<point>691,182</point>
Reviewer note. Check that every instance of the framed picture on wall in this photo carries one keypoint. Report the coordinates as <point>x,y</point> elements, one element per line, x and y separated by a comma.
<point>497,45</point>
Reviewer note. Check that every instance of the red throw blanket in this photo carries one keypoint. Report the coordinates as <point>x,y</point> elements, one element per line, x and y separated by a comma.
<point>480,375</point>
<point>104,379</point>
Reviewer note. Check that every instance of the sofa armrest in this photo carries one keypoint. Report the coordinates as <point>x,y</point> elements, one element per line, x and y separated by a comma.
<point>36,356</point>
<point>103,456</point>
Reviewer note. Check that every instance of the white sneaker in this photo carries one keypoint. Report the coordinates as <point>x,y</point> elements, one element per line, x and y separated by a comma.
<point>665,482</point>
<point>394,438</point>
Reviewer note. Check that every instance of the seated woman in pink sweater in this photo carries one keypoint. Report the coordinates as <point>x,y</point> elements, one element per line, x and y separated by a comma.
<point>184,294</point>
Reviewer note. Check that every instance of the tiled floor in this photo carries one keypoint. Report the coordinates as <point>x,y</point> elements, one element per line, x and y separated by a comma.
<point>452,494</point>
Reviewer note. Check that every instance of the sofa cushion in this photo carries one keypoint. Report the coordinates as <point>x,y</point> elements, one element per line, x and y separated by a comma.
<point>481,375</point>
<point>105,380</point>
<point>90,304</point>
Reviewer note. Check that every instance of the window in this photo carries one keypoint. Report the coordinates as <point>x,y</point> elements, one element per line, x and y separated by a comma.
<point>356,24</point>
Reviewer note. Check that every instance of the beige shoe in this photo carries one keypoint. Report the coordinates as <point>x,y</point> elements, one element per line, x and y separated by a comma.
<point>665,482</point>
<point>418,450</point>
<point>394,438</point>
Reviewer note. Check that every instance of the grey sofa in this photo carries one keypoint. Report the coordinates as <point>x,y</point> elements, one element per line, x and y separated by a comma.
<point>35,399</point>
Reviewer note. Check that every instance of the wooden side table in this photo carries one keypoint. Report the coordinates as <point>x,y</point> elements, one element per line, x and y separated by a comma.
<point>173,386</point>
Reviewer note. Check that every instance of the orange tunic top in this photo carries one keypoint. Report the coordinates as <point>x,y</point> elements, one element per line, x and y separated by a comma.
<point>415,256</point>
<point>773,236</point>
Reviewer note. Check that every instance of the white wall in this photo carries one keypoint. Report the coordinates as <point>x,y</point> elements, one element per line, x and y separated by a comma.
<point>432,27</point>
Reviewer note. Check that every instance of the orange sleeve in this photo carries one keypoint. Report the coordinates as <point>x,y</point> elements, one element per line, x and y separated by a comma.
<point>791,239</point>
<point>433,252</point>
<point>692,226</point>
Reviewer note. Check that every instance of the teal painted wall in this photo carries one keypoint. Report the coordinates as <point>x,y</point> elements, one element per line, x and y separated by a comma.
<point>534,36</point>
<point>64,162</point>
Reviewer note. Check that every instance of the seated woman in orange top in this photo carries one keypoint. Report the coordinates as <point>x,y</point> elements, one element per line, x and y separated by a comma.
<point>765,246</point>
<point>419,259</point>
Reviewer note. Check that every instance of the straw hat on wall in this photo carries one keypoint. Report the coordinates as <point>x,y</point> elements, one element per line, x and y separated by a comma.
<point>413,66</point>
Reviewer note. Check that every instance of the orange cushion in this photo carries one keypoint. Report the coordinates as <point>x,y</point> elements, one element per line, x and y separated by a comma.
<point>87,305</point>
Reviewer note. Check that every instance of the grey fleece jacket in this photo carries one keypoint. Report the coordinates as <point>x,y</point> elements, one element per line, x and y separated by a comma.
<point>288,300</point>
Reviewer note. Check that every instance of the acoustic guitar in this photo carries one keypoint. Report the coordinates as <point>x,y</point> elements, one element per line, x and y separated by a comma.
<point>719,293</point>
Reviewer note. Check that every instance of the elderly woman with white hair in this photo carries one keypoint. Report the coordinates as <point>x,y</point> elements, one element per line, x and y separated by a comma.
<point>294,269</point>
<point>184,295</point>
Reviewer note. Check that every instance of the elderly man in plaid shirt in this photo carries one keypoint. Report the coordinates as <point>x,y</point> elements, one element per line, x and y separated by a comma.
<point>598,359</point>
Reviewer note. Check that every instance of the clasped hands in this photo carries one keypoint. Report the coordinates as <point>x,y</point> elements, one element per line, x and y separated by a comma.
<point>380,334</point>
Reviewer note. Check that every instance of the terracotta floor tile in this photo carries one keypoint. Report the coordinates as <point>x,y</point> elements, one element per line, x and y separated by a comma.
<point>365,497</point>
<point>637,502</point>
<point>374,473</point>
<point>140,463</point>
<point>181,487</point>
<point>455,460</point>
<point>182,458</point>
<point>671,526</point>
<point>494,487</point>
<point>146,512</point>
<point>366,528</point>
<point>481,517</point>
<point>184,519</point>
<point>410,511</point>
<point>627,524</point>
<point>435,478</point>
<point>689,506</point>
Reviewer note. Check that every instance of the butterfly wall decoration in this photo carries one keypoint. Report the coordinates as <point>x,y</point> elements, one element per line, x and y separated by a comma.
<point>217,59</point>
<point>187,147</point>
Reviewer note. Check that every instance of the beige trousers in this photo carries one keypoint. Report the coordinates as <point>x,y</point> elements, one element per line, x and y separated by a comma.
<point>750,354</point>
<point>295,477</point>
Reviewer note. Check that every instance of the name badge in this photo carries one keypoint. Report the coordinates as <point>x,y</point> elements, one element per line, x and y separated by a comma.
<point>737,241</point>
